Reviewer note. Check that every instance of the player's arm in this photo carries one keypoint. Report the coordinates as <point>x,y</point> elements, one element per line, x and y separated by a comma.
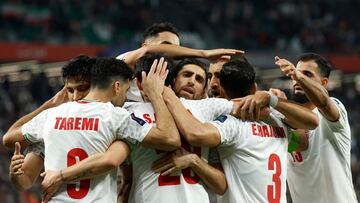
<point>296,116</point>
<point>213,177</point>
<point>176,51</point>
<point>95,165</point>
<point>194,132</point>
<point>14,133</point>
<point>24,171</point>
<point>315,92</point>
<point>92,166</point>
<point>132,56</point>
<point>166,135</point>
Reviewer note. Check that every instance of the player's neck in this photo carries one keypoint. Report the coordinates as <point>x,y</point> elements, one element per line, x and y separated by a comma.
<point>99,96</point>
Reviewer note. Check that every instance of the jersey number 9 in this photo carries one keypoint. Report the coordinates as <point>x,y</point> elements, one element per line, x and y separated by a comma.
<point>83,189</point>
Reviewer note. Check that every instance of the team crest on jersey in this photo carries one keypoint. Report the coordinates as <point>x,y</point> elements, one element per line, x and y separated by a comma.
<point>138,120</point>
<point>221,118</point>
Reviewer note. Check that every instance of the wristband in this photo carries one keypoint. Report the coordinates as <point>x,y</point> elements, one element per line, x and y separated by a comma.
<point>273,101</point>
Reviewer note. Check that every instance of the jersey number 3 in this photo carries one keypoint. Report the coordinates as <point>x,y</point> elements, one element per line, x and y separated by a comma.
<point>274,164</point>
<point>81,192</point>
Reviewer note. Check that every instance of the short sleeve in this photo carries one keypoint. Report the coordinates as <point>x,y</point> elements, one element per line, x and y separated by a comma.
<point>339,132</point>
<point>211,107</point>
<point>133,94</point>
<point>36,148</point>
<point>129,127</point>
<point>343,119</point>
<point>228,127</point>
<point>121,56</point>
<point>32,130</point>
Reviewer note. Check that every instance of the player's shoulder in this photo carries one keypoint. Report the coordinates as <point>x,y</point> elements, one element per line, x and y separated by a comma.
<point>118,109</point>
<point>61,107</point>
<point>339,105</point>
<point>337,102</point>
<point>211,100</point>
<point>122,56</point>
<point>130,104</point>
<point>138,106</point>
<point>108,107</point>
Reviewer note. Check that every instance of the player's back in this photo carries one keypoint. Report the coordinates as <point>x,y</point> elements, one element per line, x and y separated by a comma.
<point>74,131</point>
<point>181,187</point>
<point>253,156</point>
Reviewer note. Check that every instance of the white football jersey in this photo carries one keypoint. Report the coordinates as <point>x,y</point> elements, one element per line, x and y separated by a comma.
<point>254,159</point>
<point>75,130</point>
<point>322,173</point>
<point>182,187</point>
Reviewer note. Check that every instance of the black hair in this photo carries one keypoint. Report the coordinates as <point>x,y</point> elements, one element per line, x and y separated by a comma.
<point>144,64</point>
<point>193,61</point>
<point>106,70</point>
<point>78,67</point>
<point>240,57</point>
<point>156,28</point>
<point>323,65</point>
<point>237,77</point>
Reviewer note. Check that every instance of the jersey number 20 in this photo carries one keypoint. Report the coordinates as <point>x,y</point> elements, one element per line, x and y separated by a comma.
<point>189,178</point>
<point>83,189</point>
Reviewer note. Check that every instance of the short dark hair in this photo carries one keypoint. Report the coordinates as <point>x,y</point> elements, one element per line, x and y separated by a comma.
<point>237,77</point>
<point>144,64</point>
<point>193,61</point>
<point>240,57</point>
<point>156,28</point>
<point>78,67</point>
<point>106,70</point>
<point>323,65</point>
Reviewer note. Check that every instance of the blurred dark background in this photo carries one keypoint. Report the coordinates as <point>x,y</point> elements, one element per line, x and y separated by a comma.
<point>37,36</point>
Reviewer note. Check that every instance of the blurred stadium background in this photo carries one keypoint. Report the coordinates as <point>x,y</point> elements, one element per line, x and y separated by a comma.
<point>38,36</point>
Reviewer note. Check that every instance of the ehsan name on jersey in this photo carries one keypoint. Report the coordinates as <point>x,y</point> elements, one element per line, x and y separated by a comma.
<point>76,123</point>
<point>267,131</point>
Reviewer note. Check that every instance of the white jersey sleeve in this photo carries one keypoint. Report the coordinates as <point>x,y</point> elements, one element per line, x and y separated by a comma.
<point>133,93</point>
<point>211,108</point>
<point>121,56</point>
<point>130,127</point>
<point>32,129</point>
<point>228,128</point>
<point>341,131</point>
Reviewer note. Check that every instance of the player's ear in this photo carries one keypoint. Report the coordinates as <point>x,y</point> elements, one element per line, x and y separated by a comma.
<point>117,86</point>
<point>138,83</point>
<point>325,82</point>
